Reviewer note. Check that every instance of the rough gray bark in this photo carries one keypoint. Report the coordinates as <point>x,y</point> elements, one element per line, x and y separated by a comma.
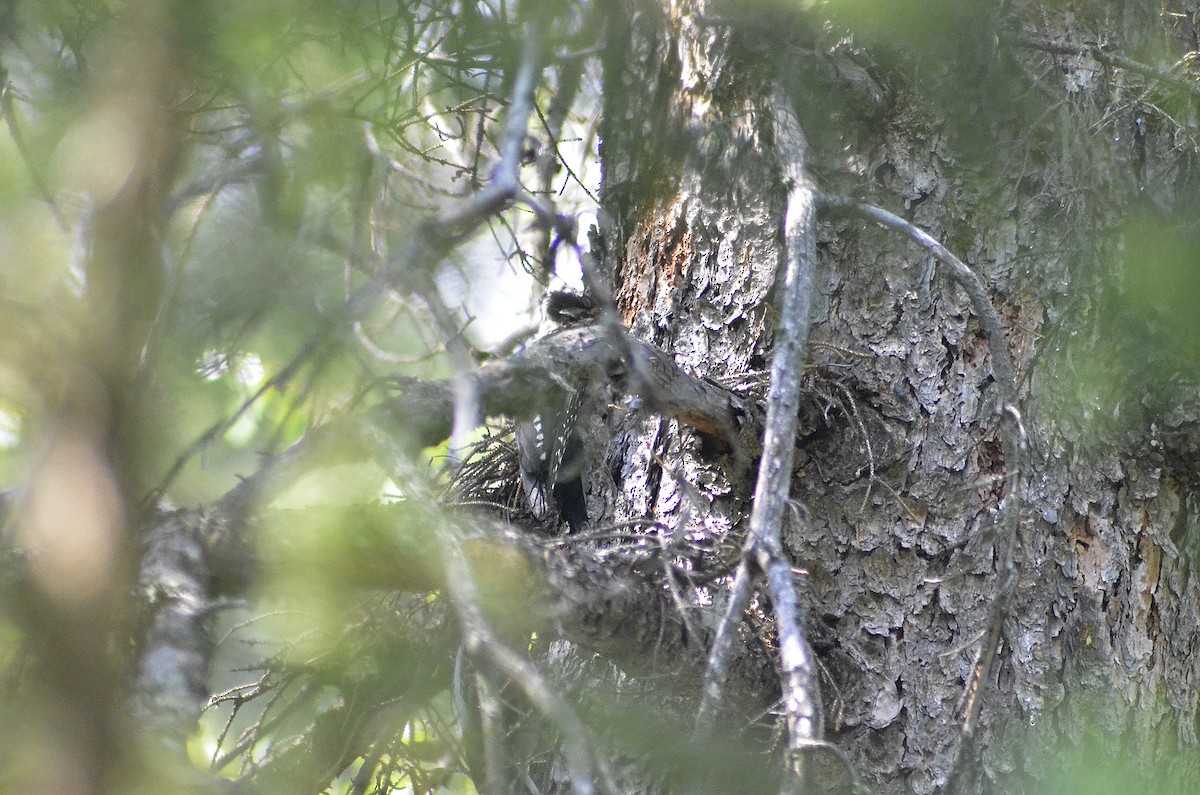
<point>694,194</point>
<point>903,474</point>
<point>694,202</point>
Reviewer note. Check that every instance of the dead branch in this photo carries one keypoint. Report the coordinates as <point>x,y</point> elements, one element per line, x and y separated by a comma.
<point>170,687</point>
<point>424,410</point>
<point>1174,76</point>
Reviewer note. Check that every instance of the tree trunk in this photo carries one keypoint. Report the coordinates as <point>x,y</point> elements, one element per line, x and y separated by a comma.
<point>900,468</point>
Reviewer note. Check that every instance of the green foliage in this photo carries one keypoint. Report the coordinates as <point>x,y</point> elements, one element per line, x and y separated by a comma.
<point>276,154</point>
<point>286,115</point>
<point>1087,754</point>
<point>1161,273</point>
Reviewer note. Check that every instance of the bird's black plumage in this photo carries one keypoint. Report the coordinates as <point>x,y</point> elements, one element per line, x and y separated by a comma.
<point>550,449</point>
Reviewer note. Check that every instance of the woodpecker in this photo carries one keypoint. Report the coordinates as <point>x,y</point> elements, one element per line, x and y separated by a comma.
<point>549,448</point>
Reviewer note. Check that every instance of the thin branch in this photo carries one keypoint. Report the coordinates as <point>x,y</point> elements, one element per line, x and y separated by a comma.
<point>1170,76</point>
<point>486,651</point>
<point>802,703</point>
<point>467,415</point>
<point>569,75</point>
<point>717,671</point>
<point>428,242</point>
<point>989,319</point>
<point>9,113</point>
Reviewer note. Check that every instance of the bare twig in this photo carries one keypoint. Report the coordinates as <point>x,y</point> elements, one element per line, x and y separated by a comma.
<point>36,177</point>
<point>717,672</point>
<point>488,653</point>
<point>989,318</point>
<point>467,415</point>
<point>569,74</point>
<point>428,242</point>
<point>764,546</point>
<point>1170,76</point>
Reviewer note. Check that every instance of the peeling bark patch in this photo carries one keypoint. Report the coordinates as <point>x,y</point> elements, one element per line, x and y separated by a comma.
<point>656,257</point>
<point>1145,575</point>
<point>885,707</point>
<point>1092,557</point>
<point>991,465</point>
<point>676,255</point>
<point>703,425</point>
